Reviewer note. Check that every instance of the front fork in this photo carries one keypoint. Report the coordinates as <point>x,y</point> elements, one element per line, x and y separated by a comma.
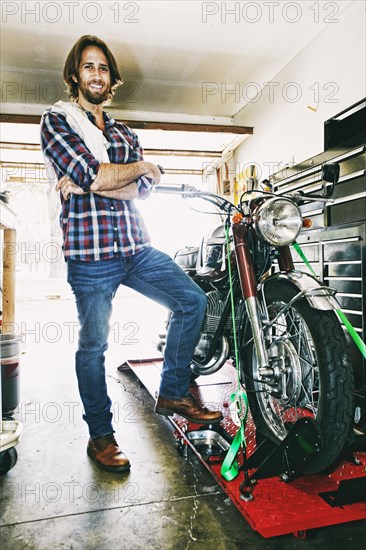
<point>248,285</point>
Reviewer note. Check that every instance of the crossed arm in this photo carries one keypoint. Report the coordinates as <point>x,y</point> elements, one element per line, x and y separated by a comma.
<point>115,181</point>
<point>62,145</point>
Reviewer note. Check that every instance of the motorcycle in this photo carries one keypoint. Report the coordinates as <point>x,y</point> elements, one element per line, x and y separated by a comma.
<point>292,352</point>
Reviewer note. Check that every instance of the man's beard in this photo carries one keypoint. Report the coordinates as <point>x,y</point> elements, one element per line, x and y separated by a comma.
<point>94,97</point>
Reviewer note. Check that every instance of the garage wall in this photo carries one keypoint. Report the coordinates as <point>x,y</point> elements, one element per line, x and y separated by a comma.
<point>325,78</point>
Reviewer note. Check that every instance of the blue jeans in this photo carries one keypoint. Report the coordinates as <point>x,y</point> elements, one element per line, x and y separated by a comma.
<point>155,275</point>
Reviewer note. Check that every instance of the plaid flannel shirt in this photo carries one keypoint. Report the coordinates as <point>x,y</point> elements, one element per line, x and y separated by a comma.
<point>94,227</point>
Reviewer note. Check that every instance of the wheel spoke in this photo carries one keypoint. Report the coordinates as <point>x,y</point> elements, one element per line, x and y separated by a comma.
<point>302,381</point>
<point>310,400</point>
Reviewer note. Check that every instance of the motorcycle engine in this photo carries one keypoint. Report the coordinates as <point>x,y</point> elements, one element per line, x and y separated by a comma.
<point>214,311</point>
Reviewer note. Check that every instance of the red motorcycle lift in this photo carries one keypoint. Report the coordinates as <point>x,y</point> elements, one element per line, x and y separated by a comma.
<point>278,502</point>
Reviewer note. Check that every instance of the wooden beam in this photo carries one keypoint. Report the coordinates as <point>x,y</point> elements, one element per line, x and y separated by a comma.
<point>141,125</point>
<point>20,146</point>
<point>29,167</point>
<point>184,127</point>
<point>156,152</point>
<point>8,301</point>
<point>20,119</point>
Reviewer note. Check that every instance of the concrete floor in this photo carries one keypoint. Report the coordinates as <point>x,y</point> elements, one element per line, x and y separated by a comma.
<point>55,497</point>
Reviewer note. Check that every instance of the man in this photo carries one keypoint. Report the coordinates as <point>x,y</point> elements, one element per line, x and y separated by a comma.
<point>100,170</point>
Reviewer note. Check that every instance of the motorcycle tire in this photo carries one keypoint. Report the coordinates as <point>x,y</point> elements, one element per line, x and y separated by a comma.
<point>319,378</point>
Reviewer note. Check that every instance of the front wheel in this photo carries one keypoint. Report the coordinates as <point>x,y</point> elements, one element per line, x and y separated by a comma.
<point>310,374</point>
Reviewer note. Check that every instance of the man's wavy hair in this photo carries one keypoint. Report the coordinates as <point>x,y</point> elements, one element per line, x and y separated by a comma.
<point>73,61</point>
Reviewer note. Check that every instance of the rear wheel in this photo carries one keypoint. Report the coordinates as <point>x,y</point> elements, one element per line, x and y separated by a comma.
<point>310,374</point>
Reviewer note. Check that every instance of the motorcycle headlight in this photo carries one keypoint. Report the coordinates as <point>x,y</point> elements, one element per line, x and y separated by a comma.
<point>278,221</point>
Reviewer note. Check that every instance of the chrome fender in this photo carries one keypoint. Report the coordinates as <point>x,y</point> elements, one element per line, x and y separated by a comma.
<point>319,296</point>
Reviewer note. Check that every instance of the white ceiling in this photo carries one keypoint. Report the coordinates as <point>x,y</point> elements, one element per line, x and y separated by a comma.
<point>169,52</point>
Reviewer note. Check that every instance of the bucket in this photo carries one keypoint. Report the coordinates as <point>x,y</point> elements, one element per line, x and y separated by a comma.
<point>9,357</point>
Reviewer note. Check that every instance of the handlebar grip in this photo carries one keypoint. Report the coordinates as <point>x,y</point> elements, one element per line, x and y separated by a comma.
<point>318,198</point>
<point>169,189</point>
<point>300,197</point>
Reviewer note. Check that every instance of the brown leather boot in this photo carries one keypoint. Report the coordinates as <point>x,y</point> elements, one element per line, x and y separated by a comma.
<point>188,408</point>
<point>106,454</point>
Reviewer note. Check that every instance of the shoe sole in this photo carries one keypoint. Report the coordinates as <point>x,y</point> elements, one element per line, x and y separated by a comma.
<point>116,469</point>
<point>167,412</point>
